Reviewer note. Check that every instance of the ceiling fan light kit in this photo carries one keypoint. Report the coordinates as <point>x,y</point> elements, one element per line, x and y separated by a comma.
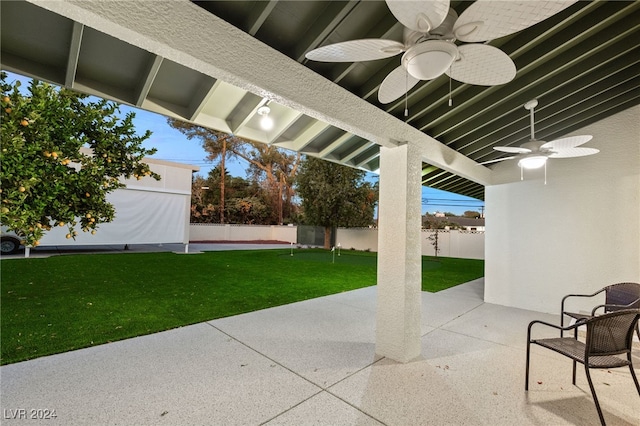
<point>430,59</point>
<point>533,162</point>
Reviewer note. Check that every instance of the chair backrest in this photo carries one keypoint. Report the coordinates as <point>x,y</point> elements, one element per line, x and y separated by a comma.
<point>611,333</point>
<point>622,294</point>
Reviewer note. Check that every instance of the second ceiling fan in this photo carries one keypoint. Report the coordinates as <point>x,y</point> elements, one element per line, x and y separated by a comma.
<point>431,29</point>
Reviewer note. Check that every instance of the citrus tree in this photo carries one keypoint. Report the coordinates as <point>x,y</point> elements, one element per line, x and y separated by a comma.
<point>46,178</point>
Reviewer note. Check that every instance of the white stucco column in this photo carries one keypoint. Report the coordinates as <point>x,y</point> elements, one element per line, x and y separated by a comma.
<point>399,254</point>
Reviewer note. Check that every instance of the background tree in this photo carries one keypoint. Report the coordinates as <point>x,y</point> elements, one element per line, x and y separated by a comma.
<point>276,170</point>
<point>335,195</point>
<point>436,222</point>
<point>217,144</point>
<point>245,200</point>
<point>273,168</point>
<point>472,214</point>
<point>202,210</point>
<point>46,179</point>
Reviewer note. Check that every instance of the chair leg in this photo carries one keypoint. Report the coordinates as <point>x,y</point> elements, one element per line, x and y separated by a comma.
<point>526,374</point>
<point>633,373</point>
<point>575,336</point>
<point>595,398</point>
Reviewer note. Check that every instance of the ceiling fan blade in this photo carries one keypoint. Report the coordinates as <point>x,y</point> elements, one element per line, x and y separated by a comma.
<point>488,20</point>
<point>356,50</point>
<point>482,65</point>
<point>574,152</point>
<point>495,161</point>
<point>512,149</point>
<point>421,16</point>
<point>396,84</point>
<point>567,143</point>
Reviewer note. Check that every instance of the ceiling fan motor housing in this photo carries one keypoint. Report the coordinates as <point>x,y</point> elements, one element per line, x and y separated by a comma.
<point>534,145</point>
<point>445,30</point>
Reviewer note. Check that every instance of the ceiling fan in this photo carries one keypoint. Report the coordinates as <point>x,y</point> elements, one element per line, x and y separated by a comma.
<point>534,154</point>
<point>431,29</point>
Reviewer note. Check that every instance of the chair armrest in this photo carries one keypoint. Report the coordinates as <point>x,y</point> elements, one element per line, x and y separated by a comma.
<point>618,307</point>
<point>575,326</point>
<point>593,311</point>
<point>582,295</point>
<point>575,295</point>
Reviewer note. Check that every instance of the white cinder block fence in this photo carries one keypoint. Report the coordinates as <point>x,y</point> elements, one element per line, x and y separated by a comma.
<point>461,244</point>
<point>217,232</point>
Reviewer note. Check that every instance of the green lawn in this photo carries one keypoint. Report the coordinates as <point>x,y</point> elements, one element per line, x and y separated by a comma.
<point>61,303</point>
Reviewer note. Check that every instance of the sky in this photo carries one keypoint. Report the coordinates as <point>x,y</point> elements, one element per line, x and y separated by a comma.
<point>172,145</point>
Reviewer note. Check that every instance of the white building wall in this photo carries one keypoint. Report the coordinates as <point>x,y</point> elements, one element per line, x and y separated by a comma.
<point>147,211</point>
<point>577,233</point>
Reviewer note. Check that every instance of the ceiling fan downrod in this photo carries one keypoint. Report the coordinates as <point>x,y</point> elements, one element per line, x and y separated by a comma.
<point>530,106</point>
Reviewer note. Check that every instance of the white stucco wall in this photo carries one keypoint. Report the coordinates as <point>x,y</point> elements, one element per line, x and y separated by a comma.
<point>577,233</point>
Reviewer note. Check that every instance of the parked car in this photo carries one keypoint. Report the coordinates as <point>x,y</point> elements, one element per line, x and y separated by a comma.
<point>9,242</point>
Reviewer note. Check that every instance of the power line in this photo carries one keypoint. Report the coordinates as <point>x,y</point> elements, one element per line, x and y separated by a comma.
<point>457,200</point>
<point>452,203</point>
<point>430,201</point>
<point>457,205</point>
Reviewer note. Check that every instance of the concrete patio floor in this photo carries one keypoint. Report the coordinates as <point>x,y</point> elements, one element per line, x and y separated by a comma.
<point>314,363</point>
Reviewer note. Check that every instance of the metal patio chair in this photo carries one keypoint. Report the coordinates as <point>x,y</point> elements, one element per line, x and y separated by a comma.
<point>608,337</point>
<point>617,297</point>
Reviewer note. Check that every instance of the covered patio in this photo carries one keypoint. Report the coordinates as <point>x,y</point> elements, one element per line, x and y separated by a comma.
<point>181,59</point>
<point>314,362</point>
